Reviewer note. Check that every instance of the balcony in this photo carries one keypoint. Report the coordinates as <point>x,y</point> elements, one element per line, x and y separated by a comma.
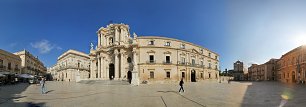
<point>194,65</point>
<point>181,63</point>
<point>167,62</point>
<point>73,67</point>
<point>151,62</point>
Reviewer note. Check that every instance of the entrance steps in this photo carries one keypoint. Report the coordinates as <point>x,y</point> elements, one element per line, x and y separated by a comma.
<point>105,82</point>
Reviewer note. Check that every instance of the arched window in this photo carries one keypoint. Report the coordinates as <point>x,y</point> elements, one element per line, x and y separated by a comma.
<point>111,40</point>
<point>129,60</point>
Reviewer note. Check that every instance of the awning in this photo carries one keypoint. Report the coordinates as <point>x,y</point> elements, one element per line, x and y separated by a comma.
<point>5,73</point>
<point>26,76</point>
<point>1,75</point>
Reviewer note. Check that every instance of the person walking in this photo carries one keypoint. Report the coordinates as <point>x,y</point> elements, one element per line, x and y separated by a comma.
<point>42,86</point>
<point>181,84</point>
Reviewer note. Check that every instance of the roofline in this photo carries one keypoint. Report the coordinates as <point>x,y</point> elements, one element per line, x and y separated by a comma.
<point>160,37</point>
<point>293,50</point>
<point>72,51</point>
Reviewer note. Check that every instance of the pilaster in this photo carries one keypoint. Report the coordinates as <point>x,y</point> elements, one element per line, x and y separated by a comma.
<point>116,64</point>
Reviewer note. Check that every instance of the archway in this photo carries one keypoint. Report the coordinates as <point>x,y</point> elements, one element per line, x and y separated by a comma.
<point>193,76</point>
<point>111,71</point>
<point>293,77</point>
<point>129,76</point>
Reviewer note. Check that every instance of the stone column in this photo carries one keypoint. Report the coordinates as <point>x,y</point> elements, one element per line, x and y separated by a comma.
<point>116,64</point>
<point>135,79</point>
<point>107,69</point>
<point>99,39</point>
<point>99,67</point>
<point>103,68</point>
<point>122,59</point>
<point>122,34</point>
<point>116,40</point>
<point>106,41</point>
<point>102,39</point>
<point>91,69</point>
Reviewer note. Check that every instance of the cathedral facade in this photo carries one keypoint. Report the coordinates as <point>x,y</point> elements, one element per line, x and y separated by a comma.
<point>149,59</point>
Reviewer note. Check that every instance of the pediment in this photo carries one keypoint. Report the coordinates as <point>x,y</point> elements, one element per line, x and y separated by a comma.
<point>151,51</point>
<point>195,51</point>
<point>167,52</point>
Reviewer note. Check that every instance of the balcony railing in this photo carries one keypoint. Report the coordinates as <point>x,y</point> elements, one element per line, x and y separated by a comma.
<point>73,67</point>
<point>167,62</point>
<point>151,61</point>
<point>181,63</point>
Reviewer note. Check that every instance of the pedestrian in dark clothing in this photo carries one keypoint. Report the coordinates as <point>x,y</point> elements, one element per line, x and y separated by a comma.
<point>181,84</point>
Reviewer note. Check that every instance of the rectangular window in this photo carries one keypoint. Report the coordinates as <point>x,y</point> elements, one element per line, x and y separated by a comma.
<point>151,58</point>
<point>216,57</point>
<point>1,62</point>
<point>193,61</point>
<point>183,60</point>
<point>183,74</point>
<point>202,63</point>
<point>151,42</point>
<point>152,74</point>
<point>201,75</point>
<point>287,75</point>
<point>9,66</point>
<point>167,44</point>
<point>168,74</point>
<point>167,59</point>
<point>209,54</point>
<point>209,65</point>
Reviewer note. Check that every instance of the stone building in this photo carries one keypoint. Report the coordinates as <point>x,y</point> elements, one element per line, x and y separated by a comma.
<point>149,58</point>
<point>263,72</point>
<point>292,66</point>
<point>238,72</point>
<point>9,63</point>
<point>71,66</point>
<point>30,64</point>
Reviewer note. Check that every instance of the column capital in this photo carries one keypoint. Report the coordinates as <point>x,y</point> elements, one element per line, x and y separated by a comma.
<point>116,52</point>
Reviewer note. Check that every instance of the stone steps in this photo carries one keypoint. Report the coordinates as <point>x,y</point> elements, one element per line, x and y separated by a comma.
<point>105,82</point>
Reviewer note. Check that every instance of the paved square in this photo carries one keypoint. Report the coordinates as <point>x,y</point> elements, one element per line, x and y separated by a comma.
<point>199,94</point>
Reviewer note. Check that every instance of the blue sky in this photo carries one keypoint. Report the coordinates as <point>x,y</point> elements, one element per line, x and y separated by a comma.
<point>250,31</point>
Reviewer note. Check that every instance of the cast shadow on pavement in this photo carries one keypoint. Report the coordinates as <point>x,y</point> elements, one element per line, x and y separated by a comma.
<point>10,96</point>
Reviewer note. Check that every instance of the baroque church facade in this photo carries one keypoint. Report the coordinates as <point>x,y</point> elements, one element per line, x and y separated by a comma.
<point>148,59</point>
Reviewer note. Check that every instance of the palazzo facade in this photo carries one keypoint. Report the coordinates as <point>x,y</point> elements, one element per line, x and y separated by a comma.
<point>149,59</point>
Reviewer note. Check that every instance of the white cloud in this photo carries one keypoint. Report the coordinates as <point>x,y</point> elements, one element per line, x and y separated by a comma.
<point>44,46</point>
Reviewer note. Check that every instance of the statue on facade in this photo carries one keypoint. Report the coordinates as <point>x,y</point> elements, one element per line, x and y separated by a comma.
<point>91,45</point>
<point>134,34</point>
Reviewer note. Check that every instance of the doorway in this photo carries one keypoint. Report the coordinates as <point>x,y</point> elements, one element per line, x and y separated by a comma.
<point>193,76</point>
<point>111,71</point>
<point>129,76</point>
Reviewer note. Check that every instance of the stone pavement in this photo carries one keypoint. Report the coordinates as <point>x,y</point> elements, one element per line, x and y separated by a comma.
<point>199,94</point>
